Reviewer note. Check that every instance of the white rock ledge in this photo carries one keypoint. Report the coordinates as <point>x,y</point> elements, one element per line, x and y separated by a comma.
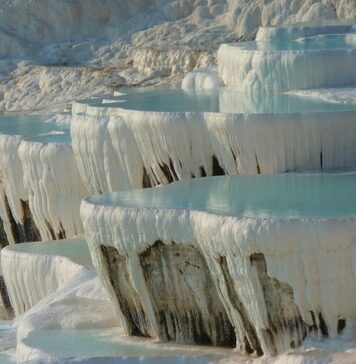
<point>275,70</point>
<point>118,149</point>
<point>33,271</point>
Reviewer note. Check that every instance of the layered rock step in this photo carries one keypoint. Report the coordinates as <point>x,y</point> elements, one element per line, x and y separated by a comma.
<point>281,64</point>
<point>40,184</point>
<point>34,271</point>
<point>248,261</point>
<point>152,137</point>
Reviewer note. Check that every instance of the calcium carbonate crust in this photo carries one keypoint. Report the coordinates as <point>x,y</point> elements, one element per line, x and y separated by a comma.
<point>40,188</point>
<point>118,149</point>
<point>306,257</point>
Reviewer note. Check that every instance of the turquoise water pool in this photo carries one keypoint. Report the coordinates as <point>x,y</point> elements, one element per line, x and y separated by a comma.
<point>312,43</point>
<point>75,249</point>
<point>220,100</point>
<point>280,195</point>
<point>93,343</point>
<point>37,128</point>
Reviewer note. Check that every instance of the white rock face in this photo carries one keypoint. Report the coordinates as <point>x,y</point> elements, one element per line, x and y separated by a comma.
<point>202,79</point>
<point>302,30</point>
<point>246,17</point>
<point>116,148</point>
<point>170,62</point>
<point>54,201</point>
<point>40,184</point>
<point>276,71</point>
<point>83,20</point>
<point>32,273</point>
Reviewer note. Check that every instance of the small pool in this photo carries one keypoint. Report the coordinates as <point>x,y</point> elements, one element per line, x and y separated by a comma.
<point>311,43</point>
<point>75,249</point>
<point>224,100</point>
<point>280,195</point>
<point>36,128</point>
<point>92,343</point>
<point>306,29</point>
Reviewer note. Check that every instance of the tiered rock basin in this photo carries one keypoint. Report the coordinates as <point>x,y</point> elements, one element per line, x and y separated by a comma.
<point>33,271</point>
<point>40,184</point>
<point>248,261</point>
<point>303,30</point>
<point>147,138</point>
<point>311,62</point>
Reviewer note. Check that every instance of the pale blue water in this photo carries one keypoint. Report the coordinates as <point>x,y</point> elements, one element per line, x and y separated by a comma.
<point>280,195</point>
<point>322,42</point>
<point>67,343</point>
<point>75,249</point>
<point>220,100</point>
<point>327,26</point>
<point>35,128</point>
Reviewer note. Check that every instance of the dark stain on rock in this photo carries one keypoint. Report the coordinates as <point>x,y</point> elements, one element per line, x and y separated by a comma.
<point>146,180</point>
<point>122,290</point>
<point>184,296</point>
<point>5,299</point>
<point>169,171</point>
<point>27,231</point>
<point>284,317</point>
<point>258,168</point>
<point>322,326</point>
<point>3,237</point>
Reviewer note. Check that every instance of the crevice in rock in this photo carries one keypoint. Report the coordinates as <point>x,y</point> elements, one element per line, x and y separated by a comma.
<point>122,291</point>
<point>184,296</point>
<point>25,232</point>
<point>257,165</point>
<point>31,231</point>
<point>4,241</point>
<point>341,325</point>
<point>217,169</point>
<point>322,326</point>
<point>146,181</point>
<point>50,229</point>
<point>169,172</point>
<point>202,172</point>
<point>5,299</point>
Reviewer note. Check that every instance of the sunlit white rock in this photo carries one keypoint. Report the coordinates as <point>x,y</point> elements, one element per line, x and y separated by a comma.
<point>33,271</point>
<point>202,79</point>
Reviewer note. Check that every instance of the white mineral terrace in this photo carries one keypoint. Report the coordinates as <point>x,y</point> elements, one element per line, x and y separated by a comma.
<point>64,312</point>
<point>158,136</point>
<point>40,184</point>
<point>303,30</point>
<point>274,247</point>
<point>33,271</point>
<point>305,63</point>
<point>258,261</point>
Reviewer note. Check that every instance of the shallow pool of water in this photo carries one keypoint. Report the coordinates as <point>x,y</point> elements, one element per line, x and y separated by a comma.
<point>37,128</point>
<point>108,342</point>
<point>311,43</point>
<point>280,195</point>
<point>75,249</point>
<point>223,100</point>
